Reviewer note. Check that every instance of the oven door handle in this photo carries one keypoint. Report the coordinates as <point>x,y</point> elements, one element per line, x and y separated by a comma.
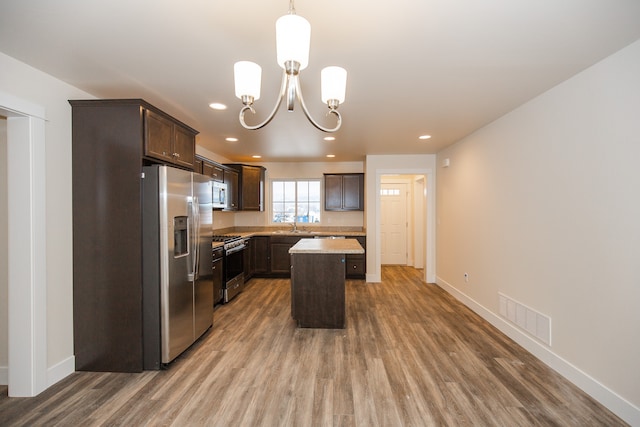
<point>235,249</point>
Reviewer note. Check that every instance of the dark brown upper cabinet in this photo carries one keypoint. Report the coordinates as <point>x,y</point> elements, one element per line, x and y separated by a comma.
<point>344,192</point>
<point>250,186</point>
<point>209,168</point>
<point>231,178</point>
<point>168,140</point>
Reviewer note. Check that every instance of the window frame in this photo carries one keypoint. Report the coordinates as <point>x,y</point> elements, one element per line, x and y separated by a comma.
<point>272,200</point>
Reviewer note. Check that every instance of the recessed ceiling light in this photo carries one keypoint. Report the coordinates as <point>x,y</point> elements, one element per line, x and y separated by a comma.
<point>255,156</point>
<point>217,106</point>
<point>231,139</point>
<point>329,138</point>
<point>331,155</point>
<point>424,137</point>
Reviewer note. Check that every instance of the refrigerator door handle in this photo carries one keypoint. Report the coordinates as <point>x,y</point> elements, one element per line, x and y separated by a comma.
<point>195,212</point>
<point>192,274</point>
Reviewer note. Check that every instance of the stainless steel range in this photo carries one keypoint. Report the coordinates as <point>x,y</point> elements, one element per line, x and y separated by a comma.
<point>233,264</point>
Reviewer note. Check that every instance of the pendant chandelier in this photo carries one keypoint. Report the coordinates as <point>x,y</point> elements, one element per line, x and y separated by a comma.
<point>293,35</point>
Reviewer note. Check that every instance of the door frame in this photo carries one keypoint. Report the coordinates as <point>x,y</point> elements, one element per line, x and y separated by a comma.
<point>27,261</point>
<point>430,225</point>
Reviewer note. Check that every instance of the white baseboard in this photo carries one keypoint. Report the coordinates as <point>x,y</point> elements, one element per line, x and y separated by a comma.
<point>373,278</point>
<point>607,397</point>
<point>54,373</point>
<point>4,375</point>
<point>61,370</point>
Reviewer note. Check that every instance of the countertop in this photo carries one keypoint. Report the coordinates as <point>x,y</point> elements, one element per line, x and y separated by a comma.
<point>302,233</point>
<point>327,246</point>
<point>299,233</point>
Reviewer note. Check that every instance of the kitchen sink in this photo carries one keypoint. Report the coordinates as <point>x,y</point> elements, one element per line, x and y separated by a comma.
<point>295,232</point>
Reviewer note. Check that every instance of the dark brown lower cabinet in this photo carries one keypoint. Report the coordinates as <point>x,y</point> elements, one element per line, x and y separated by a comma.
<point>280,258</point>
<point>260,254</point>
<point>270,257</point>
<point>218,278</point>
<point>318,291</point>
<point>356,263</point>
<point>248,259</point>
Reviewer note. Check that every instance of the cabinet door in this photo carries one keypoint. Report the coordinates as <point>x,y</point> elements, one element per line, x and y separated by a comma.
<point>158,136</point>
<point>217,174</point>
<point>280,257</point>
<point>231,179</point>
<point>217,281</point>
<point>261,258</point>
<point>184,147</point>
<point>353,192</point>
<point>252,188</point>
<point>197,166</point>
<point>333,192</point>
<point>210,169</point>
<point>248,257</point>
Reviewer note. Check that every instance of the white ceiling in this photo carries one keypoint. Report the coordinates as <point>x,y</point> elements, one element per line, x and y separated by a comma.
<point>438,67</point>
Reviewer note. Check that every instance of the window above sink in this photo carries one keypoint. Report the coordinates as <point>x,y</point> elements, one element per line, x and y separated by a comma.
<point>296,201</point>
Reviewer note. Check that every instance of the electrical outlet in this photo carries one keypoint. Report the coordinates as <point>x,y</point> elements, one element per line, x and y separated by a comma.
<point>466,277</point>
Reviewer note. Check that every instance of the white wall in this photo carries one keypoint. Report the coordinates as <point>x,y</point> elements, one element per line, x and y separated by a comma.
<point>543,205</point>
<point>4,278</point>
<point>29,84</point>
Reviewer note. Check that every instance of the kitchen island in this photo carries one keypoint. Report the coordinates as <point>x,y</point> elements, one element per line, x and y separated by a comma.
<point>318,281</point>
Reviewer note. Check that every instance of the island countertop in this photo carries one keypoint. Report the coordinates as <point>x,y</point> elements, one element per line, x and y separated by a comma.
<point>327,246</point>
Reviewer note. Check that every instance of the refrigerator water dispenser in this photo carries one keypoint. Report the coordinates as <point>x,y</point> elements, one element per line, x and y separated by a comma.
<point>180,236</point>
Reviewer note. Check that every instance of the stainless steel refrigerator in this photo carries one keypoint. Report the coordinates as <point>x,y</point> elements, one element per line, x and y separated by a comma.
<point>176,261</point>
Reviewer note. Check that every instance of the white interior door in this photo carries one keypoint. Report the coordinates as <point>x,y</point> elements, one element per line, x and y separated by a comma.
<point>393,223</point>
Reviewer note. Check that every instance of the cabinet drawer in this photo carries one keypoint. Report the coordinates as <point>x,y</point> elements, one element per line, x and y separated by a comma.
<point>355,266</point>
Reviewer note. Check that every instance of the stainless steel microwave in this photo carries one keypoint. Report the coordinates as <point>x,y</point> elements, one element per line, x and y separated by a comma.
<point>219,195</point>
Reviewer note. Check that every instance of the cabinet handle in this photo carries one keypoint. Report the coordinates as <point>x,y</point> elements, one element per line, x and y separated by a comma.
<point>176,155</point>
<point>354,267</point>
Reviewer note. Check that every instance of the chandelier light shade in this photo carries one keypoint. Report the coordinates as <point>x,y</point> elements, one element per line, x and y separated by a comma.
<point>333,84</point>
<point>293,36</point>
<point>248,77</point>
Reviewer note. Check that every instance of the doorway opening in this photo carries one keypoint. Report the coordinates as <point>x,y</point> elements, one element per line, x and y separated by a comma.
<point>403,220</point>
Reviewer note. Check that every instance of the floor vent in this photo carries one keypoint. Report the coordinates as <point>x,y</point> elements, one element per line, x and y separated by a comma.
<point>535,324</point>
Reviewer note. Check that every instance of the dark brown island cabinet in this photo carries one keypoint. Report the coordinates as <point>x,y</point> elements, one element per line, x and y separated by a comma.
<point>318,281</point>
<point>111,141</point>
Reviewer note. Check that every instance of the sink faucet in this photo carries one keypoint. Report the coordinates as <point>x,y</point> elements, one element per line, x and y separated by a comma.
<point>295,227</point>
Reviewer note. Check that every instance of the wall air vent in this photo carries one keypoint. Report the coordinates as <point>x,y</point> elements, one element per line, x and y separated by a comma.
<point>534,323</point>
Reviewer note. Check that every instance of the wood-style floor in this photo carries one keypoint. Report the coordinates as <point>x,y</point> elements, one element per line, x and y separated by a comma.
<point>411,355</point>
